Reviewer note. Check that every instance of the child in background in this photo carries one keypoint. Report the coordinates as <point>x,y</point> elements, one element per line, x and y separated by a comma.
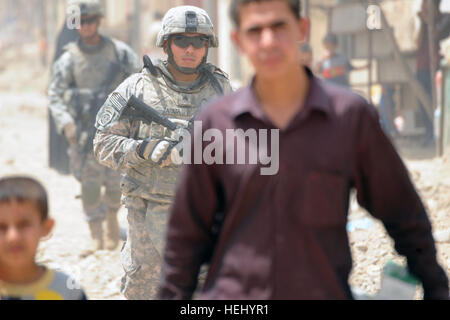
<point>334,66</point>
<point>24,221</point>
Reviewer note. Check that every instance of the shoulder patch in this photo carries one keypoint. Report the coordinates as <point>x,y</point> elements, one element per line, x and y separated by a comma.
<point>110,111</point>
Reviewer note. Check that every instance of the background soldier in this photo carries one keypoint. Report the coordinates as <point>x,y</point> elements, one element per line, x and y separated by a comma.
<point>177,88</point>
<point>58,157</point>
<point>82,78</point>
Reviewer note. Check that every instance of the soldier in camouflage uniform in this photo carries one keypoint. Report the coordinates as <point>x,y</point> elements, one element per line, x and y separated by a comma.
<point>176,88</point>
<point>84,75</point>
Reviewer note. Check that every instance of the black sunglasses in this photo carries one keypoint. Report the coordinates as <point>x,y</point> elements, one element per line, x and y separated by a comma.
<point>183,41</point>
<point>88,20</point>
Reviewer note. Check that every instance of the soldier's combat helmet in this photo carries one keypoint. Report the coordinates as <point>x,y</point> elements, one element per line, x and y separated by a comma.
<point>186,19</point>
<point>87,7</point>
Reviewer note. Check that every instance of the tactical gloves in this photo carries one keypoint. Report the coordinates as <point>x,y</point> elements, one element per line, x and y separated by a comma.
<point>162,152</point>
<point>166,151</point>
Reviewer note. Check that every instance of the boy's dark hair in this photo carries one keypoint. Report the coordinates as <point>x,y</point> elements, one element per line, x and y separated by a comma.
<point>330,38</point>
<point>235,8</point>
<point>24,189</point>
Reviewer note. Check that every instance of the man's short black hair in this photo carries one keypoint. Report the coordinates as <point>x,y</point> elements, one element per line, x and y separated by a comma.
<point>236,5</point>
<point>24,189</point>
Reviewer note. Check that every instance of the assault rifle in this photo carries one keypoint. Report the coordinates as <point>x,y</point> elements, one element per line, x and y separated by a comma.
<point>137,109</point>
<point>86,112</point>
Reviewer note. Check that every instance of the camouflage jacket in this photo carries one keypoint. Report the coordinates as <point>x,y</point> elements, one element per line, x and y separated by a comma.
<point>116,141</point>
<point>82,70</point>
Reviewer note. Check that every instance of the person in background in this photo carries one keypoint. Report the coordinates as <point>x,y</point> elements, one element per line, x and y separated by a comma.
<point>423,63</point>
<point>58,151</point>
<point>335,67</point>
<point>82,77</point>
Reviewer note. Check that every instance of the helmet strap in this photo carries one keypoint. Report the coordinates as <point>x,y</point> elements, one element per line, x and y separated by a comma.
<point>185,70</point>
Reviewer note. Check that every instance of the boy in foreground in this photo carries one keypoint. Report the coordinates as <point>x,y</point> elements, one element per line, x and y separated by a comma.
<point>24,221</point>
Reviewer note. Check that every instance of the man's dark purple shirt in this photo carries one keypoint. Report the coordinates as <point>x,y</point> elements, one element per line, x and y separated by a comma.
<point>284,236</point>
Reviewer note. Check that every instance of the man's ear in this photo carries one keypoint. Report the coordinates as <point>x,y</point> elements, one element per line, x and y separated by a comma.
<point>47,228</point>
<point>166,43</point>
<point>234,35</point>
<point>304,27</point>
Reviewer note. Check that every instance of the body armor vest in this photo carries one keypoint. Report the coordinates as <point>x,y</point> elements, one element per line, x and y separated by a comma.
<point>150,181</point>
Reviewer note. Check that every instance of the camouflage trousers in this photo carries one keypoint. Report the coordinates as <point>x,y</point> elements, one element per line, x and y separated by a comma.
<point>142,253</point>
<point>100,187</point>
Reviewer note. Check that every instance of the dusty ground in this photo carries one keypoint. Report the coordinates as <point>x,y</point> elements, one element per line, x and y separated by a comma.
<point>23,149</point>
<point>372,247</point>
